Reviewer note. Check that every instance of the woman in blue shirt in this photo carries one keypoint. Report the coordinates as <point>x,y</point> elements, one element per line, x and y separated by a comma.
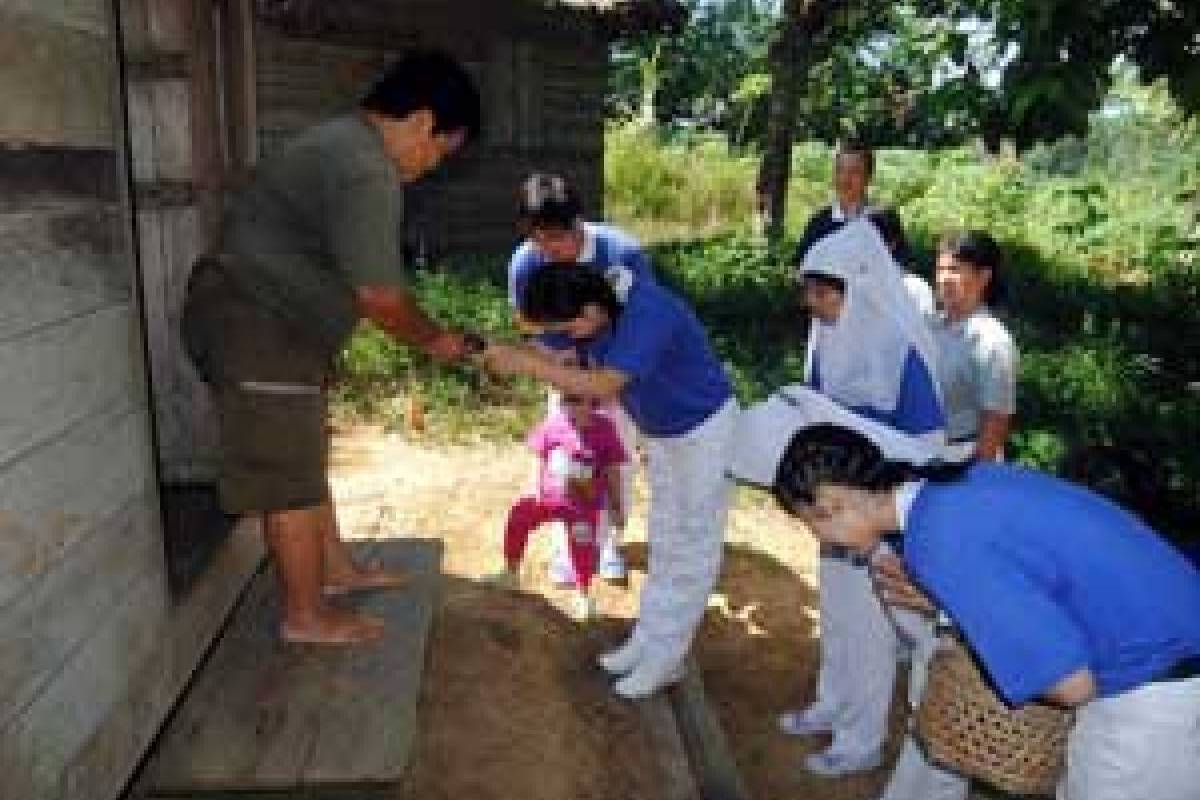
<point>651,353</point>
<point>1061,594</point>
<point>550,215</point>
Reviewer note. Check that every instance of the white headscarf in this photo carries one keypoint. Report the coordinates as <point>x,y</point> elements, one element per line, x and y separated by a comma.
<point>765,429</point>
<point>861,356</point>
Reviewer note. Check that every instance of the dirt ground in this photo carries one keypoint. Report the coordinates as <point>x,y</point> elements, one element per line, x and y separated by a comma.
<point>513,706</point>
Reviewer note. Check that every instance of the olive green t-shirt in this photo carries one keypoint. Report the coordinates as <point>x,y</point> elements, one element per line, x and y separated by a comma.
<point>320,219</point>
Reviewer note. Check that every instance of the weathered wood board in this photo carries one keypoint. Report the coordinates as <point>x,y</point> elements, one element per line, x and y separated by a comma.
<point>264,718</point>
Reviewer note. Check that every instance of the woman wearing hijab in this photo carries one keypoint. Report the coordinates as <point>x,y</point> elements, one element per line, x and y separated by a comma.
<point>872,352</point>
<point>1059,593</point>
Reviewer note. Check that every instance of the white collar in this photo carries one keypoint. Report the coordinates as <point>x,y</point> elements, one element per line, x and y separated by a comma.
<point>839,214</point>
<point>906,495</point>
<point>587,253</point>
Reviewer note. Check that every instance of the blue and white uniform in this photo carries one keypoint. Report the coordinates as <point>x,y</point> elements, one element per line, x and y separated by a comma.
<point>1048,579</point>
<point>623,262</point>
<point>878,359</point>
<point>682,402</point>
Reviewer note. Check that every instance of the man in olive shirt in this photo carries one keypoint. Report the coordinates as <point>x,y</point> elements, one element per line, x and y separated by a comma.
<point>311,247</point>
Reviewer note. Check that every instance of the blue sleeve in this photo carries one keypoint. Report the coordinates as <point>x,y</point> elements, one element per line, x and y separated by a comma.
<point>636,259</point>
<point>641,338</point>
<point>524,260</point>
<point>918,409</point>
<point>1026,642</point>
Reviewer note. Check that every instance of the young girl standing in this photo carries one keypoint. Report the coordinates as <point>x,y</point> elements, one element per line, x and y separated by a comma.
<point>579,455</point>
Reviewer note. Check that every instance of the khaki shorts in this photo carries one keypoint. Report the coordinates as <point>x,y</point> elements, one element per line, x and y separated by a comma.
<point>268,384</point>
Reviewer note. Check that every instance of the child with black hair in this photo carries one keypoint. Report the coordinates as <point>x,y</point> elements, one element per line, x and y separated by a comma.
<point>1060,594</point>
<point>578,483</point>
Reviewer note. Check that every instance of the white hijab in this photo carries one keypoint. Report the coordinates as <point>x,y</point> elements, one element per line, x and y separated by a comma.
<point>765,429</point>
<point>861,356</point>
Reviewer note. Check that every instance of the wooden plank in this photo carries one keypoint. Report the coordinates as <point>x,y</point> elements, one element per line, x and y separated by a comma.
<point>658,720</point>
<point>57,83</point>
<point>102,766</point>
<point>61,258</point>
<point>264,717</point>
<point>160,129</point>
<point>54,496</point>
<point>42,627</point>
<point>52,729</point>
<point>712,761</point>
<point>68,371</point>
<point>83,736</point>
<point>241,98</point>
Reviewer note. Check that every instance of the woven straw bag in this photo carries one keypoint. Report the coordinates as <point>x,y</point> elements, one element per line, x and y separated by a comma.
<point>964,725</point>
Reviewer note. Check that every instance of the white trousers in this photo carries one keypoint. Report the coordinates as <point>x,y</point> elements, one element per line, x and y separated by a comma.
<point>860,638</point>
<point>689,502</point>
<point>915,777</point>
<point>1140,745</point>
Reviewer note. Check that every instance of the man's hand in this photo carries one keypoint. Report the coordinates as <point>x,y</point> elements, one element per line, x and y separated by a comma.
<point>447,346</point>
<point>895,587</point>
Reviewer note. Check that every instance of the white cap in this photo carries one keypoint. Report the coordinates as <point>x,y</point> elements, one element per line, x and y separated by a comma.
<point>765,429</point>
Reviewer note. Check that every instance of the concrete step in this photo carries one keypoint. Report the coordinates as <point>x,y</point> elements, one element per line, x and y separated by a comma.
<point>267,719</point>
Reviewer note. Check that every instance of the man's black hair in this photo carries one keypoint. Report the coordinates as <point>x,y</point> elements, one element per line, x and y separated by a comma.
<point>428,79</point>
<point>557,293</point>
<point>548,200</point>
<point>980,250</point>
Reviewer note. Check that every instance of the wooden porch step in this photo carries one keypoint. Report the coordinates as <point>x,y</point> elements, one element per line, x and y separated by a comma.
<point>273,720</point>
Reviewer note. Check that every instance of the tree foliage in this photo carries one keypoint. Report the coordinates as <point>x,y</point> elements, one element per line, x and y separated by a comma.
<point>917,73</point>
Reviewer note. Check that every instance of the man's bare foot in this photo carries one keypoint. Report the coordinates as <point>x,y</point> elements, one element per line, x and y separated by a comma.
<point>363,578</point>
<point>332,626</point>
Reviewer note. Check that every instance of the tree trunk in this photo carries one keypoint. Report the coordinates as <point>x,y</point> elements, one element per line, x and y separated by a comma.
<point>803,22</point>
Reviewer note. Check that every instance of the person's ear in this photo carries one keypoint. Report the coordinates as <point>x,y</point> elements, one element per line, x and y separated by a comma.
<point>424,121</point>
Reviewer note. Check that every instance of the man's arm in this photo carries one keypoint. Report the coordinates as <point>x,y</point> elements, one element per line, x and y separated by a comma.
<point>395,310</point>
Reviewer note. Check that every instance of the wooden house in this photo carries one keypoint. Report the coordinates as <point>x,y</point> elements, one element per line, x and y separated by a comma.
<point>122,124</point>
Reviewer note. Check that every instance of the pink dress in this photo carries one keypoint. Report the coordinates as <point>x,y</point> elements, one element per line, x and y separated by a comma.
<point>572,486</point>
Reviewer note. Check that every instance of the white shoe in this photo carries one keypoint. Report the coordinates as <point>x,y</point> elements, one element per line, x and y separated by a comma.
<point>561,573</point>
<point>623,659</point>
<point>584,607</point>
<point>612,564</point>
<point>648,677</point>
<point>805,722</point>
<point>831,764</point>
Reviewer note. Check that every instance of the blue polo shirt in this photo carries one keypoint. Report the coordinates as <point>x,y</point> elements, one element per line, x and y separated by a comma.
<point>675,380</point>
<point>918,409</point>
<point>615,253</point>
<point>1045,578</point>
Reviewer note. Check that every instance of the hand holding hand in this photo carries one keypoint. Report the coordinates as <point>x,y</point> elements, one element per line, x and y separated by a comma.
<point>447,346</point>
<point>895,587</point>
<point>506,359</point>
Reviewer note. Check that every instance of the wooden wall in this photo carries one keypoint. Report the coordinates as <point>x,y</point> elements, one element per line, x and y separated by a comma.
<point>542,87</point>
<point>95,648</point>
